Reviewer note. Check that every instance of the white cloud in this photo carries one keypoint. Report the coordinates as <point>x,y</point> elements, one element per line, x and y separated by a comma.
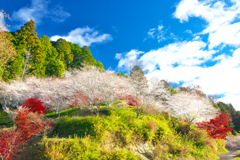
<point>184,53</point>
<point>151,32</point>
<point>161,34</point>
<point>84,36</point>
<point>118,55</point>
<point>39,10</point>
<point>188,31</point>
<point>130,57</point>
<point>160,27</point>
<point>222,27</point>
<point>197,38</point>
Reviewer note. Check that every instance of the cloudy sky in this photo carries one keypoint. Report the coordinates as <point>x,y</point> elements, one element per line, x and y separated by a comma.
<point>181,41</point>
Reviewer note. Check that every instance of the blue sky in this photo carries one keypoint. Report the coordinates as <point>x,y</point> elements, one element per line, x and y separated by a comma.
<point>181,41</point>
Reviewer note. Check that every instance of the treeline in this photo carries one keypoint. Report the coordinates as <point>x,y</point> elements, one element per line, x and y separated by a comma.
<point>40,57</point>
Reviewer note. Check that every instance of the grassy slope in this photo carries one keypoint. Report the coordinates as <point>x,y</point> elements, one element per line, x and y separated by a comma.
<point>117,134</point>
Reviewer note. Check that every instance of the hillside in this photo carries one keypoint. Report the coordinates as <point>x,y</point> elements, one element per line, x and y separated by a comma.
<point>117,134</point>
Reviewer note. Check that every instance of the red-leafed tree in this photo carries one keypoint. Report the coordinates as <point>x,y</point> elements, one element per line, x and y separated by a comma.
<point>9,143</point>
<point>29,124</point>
<point>34,105</point>
<point>216,127</point>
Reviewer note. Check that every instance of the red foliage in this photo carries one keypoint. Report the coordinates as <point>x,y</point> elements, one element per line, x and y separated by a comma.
<point>9,143</point>
<point>79,99</point>
<point>35,105</point>
<point>29,124</point>
<point>131,100</point>
<point>215,127</point>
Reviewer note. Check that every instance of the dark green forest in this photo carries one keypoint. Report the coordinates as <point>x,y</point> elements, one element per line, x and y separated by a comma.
<point>42,57</point>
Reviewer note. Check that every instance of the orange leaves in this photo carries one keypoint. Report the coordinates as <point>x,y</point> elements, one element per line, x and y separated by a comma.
<point>152,125</point>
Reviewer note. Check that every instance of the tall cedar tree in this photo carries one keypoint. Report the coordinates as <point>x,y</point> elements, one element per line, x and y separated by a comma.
<point>53,64</point>
<point>28,37</point>
<point>77,53</point>
<point>88,59</point>
<point>139,70</point>
<point>64,50</point>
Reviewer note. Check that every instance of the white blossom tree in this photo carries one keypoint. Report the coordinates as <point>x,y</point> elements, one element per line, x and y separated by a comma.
<point>94,87</point>
<point>15,93</point>
<point>191,107</point>
<point>55,94</point>
<point>161,93</point>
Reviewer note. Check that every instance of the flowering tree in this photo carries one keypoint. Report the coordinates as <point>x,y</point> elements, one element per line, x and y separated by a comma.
<point>14,93</point>
<point>56,93</point>
<point>191,107</point>
<point>161,93</point>
<point>94,87</point>
<point>215,127</point>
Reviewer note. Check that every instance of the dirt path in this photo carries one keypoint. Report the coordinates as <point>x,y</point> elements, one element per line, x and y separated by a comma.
<point>228,156</point>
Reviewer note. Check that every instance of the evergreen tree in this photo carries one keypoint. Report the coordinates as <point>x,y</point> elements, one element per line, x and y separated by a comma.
<point>88,59</point>
<point>233,113</point>
<point>76,51</point>
<point>28,37</point>
<point>140,72</point>
<point>100,66</point>
<point>122,74</point>
<point>64,50</point>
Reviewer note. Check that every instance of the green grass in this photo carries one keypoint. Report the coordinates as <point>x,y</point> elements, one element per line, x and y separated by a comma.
<point>5,120</point>
<point>61,113</point>
<point>108,137</point>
